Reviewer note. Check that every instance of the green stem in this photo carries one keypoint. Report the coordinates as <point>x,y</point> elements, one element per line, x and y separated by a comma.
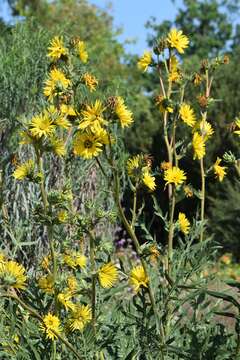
<point>134,208</point>
<point>202,199</point>
<point>132,235</point>
<point>93,270</point>
<point>54,347</point>
<point>49,227</point>
<point>171,231</point>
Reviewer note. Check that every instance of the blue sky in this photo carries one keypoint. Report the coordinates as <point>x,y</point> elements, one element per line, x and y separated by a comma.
<point>131,15</point>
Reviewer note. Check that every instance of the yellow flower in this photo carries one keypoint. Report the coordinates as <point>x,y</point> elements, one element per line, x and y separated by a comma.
<point>41,125</point>
<point>205,129</point>
<point>26,138</point>
<point>75,259</point>
<point>92,117</point>
<point>125,116</point>
<point>237,123</point>
<point>13,274</point>
<point>154,253</point>
<point>177,40</point>
<point>67,110</point>
<point>199,146</point>
<point>219,170</point>
<point>165,165</point>
<point>58,146</point>
<point>174,71</point>
<point>164,104</point>
<point>82,52</point>
<point>80,316</point>
<point>56,49</point>
<point>175,176</point>
<point>24,170</point>
<point>183,223</point>
<point>56,82</point>
<point>2,258</point>
<point>65,300</point>
<point>45,262</point>
<point>187,114</point>
<point>90,81</point>
<point>133,165</point>
<point>138,278</point>
<point>72,283</point>
<point>149,180</point>
<point>108,275</point>
<point>46,284</point>
<point>188,191</point>
<point>62,122</point>
<point>145,61</point>
<point>137,165</point>
<point>62,216</point>
<point>51,326</point>
<point>87,145</point>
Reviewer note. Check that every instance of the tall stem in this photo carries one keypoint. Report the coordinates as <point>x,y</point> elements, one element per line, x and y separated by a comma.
<point>171,231</point>
<point>50,226</point>
<point>134,208</point>
<point>93,270</point>
<point>202,199</point>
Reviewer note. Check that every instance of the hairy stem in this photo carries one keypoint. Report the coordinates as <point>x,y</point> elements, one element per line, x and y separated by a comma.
<point>93,270</point>
<point>202,199</point>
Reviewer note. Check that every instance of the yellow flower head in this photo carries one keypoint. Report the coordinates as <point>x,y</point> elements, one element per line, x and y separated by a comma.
<point>90,81</point>
<point>177,40</point>
<point>46,284</point>
<point>145,61</point>
<point>2,258</point>
<point>108,275</point>
<point>82,52</point>
<point>13,275</point>
<point>87,145</point>
<point>55,84</point>
<point>80,316</point>
<point>67,110</point>
<point>24,170</point>
<point>65,300</point>
<point>51,326</point>
<point>174,71</point>
<point>41,125</point>
<point>75,259</point>
<point>175,176</point>
<point>165,165</point>
<point>58,146</point>
<point>138,278</point>
<point>205,129</point>
<point>183,223</point>
<point>188,191</point>
<point>137,165</point>
<point>46,262</point>
<point>164,104</point>
<point>199,146</point>
<point>187,114</point>
<point>125,116</point>
<point>237,124</point>
<point>72,283</point>
<point>93,117</point>
<point>154,253</point>
<point>26,138</point>
<point>56,49</point>
<point>62,216</point>
<point>149,180</point>
<point>219,170</point>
